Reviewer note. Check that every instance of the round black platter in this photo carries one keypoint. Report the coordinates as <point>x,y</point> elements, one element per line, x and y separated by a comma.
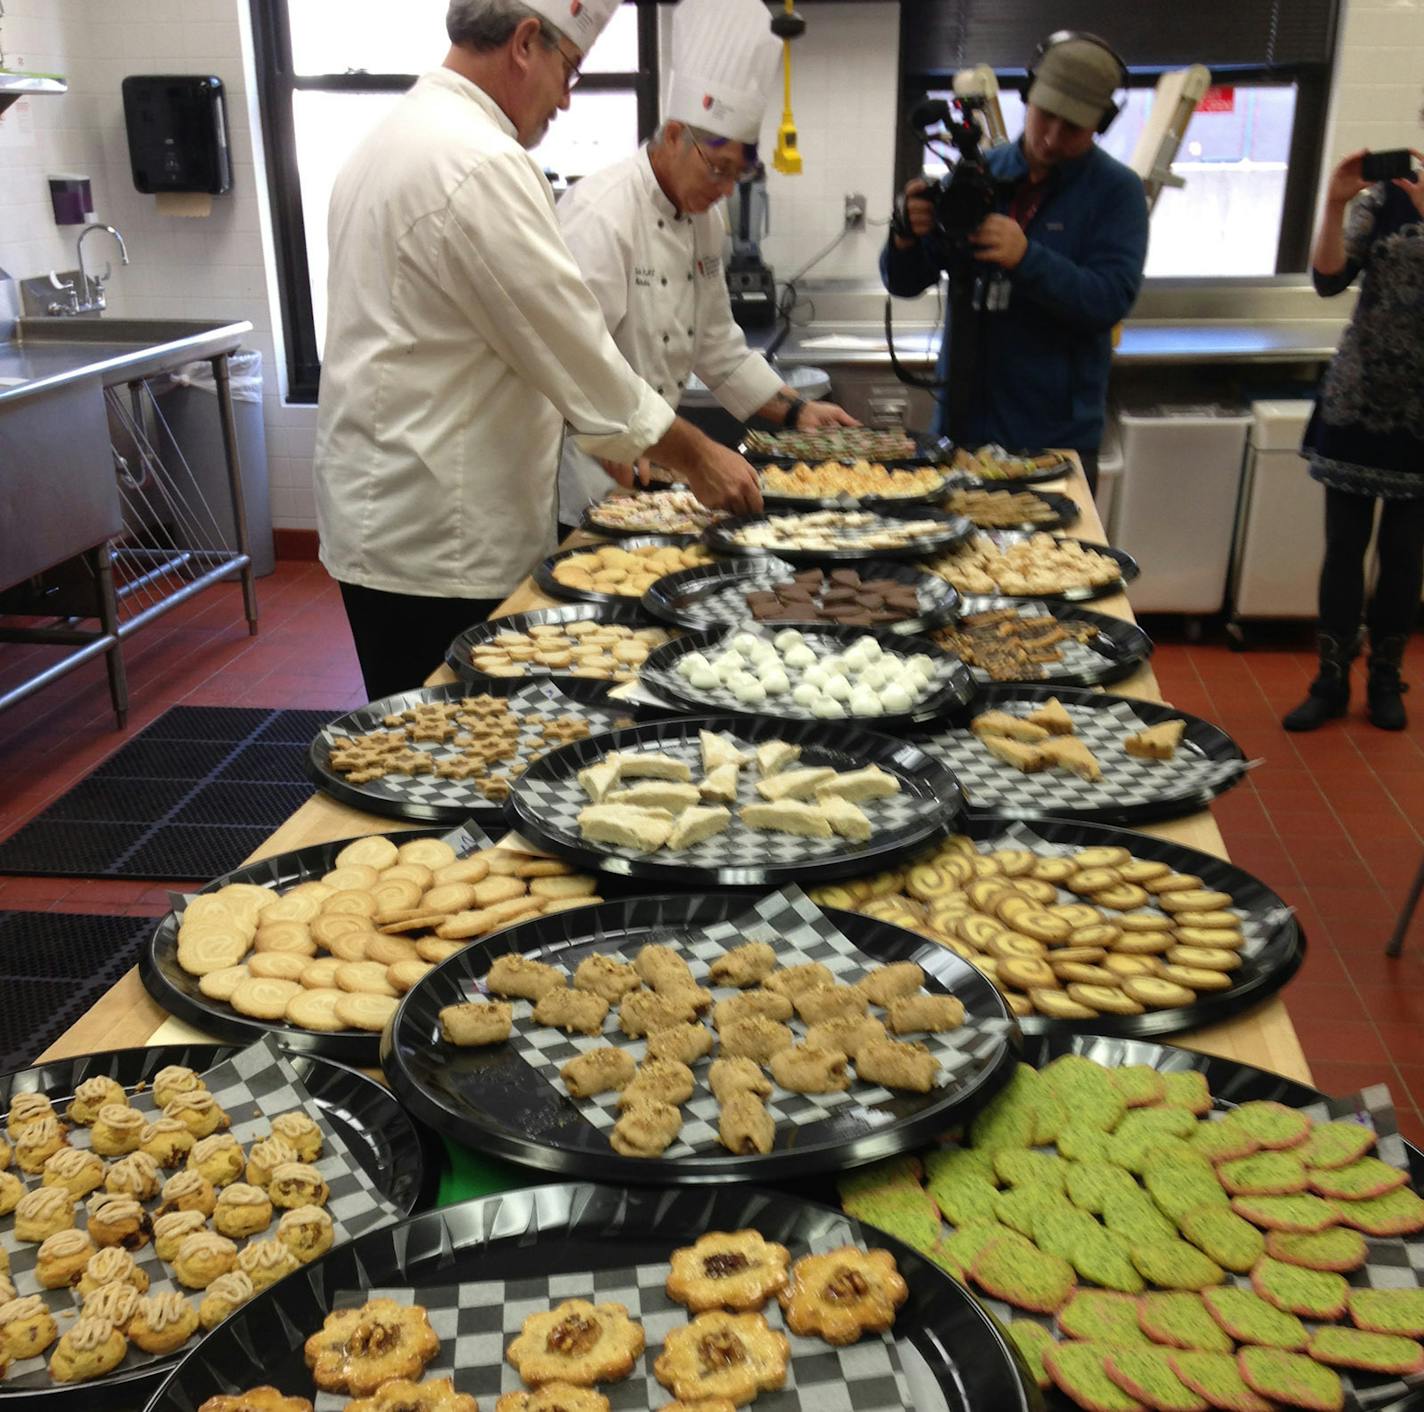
<point>1262,974</point>
<point>956,529</point>
<point>401,1158</point>
<point>778,503</point>
<point>492,1100</point>
<point>568,1229</point>
<point>177,992</point>
<point>1120,644</point>
<point>420,797</point>
<point>1209,743</point>
<point>840,745</point>
<point>1056,471</point>
<point>699,598</point>
<point>544,574</point>
<point>1130,569</point>
<point>930,450</point>
<point>590,523</point>
<point>458,658</point>
<point>1065,510</point>
<point>955,688</point>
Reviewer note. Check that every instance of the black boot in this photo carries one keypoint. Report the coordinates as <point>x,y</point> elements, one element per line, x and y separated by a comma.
<point>1330,691</point>
<point>1384,690</point>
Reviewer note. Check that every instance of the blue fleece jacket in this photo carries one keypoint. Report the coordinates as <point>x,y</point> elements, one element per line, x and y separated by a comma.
<point>1044,370</point>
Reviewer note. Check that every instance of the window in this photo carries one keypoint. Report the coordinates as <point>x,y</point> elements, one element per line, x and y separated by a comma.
<point>324,85</point>
<point>1234,159</point>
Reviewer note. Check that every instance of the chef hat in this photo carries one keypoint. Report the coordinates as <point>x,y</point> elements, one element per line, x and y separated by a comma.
<point>580,20</point>
<point>724,59</point>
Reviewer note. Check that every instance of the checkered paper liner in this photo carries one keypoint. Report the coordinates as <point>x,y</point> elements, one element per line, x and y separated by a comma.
<point>822,644</point>
<point>1393,1262</point>
<point>537,703</point>
<point>252,1087</point>
<point>476,1322</point>
<point>852,536</point>
<point>998,788</point>
<point>1077,659</point>
<point>801,933</point>
<point>556,804</point>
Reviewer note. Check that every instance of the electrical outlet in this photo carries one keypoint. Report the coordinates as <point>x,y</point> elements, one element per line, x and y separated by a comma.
<point>855,211</point>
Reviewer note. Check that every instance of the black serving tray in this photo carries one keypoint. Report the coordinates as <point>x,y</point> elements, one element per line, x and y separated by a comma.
<point>956,529</point>
<point>545,580</point>
<point>1065,509</point>
<point>930,450</point>
<point>1130,570</point>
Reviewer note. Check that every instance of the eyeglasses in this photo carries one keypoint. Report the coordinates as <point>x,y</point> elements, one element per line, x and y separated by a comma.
<point>572,70</point>
<point>739,175</point>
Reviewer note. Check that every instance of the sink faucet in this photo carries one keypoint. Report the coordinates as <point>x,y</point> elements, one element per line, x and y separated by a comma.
<point>92,303</point>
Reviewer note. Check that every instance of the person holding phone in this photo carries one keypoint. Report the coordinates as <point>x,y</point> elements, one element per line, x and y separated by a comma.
<point>1365,440</point>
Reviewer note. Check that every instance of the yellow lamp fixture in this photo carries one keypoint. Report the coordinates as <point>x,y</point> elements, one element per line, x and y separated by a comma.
<point>787,157</point>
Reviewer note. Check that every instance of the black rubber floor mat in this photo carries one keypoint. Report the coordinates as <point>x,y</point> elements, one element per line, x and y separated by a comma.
<point>53,967</point>
<point>190,797</point>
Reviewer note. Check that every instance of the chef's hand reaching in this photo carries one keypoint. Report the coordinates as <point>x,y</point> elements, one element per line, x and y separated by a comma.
<point>824,414</point>
<point>724,481</point>
<point>627,476</point>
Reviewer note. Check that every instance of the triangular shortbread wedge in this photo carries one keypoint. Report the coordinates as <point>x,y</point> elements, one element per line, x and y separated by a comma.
<point>794,784</point>
<point>843,816</point>
<point>1053,717</point>
<point>787,816</point>
<point>657,794</point>
<point>649,765</point>
<point>720,786</point>
<point>1002,723</point>
<point>625,826</point>
<point>599,780</point>
<point>699,824</point>
<point>1028,758</point>
<point>1072,754</point>
<point>1158,742</point>
<point>776,755</point>
<point>856,785</point>
<point>719,750</point>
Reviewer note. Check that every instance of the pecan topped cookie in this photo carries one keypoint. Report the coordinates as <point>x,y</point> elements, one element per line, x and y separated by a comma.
<point>843,1294</point>
<point>735,1356</point>
<point>356,1350</point>
<point>727,1270</point>
<point>577,1343</point>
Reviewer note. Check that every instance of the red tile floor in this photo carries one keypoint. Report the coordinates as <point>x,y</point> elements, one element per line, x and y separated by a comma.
<point>1333,821</point>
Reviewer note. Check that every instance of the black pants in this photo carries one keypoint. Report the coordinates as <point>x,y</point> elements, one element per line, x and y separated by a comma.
<point>401,638</point>
<point>1394,608</point>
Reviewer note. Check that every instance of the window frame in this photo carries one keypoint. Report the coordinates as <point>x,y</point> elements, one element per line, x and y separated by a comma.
<point>277,83</point>
<point>1312,85</point>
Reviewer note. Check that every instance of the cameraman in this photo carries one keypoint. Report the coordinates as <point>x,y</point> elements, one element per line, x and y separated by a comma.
<point>1069,234</point>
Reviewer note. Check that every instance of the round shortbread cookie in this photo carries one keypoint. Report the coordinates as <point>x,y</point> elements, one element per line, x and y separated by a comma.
<point>1157,993</point>
<point>1211,936</point>
<point>277,965</point>
<point>1010,944</point>
<point>1025,973</point>
<point>1133,965</point>
<point>436,949</point>
<point>351,946</point>
<point>366,977</point>
<point>358,902</point>
<point>559,889</point>
<point>498,889</point>
<point>1105,855</point>
<point>1082,974</point>
<point>293,937</point>
<point>1059,1005</point>
<point>1197,978</point>
<point>1205,958</point>
<point>316,1010</point>
<point>219,985</point>
<point>1106,998</point>
<point>211,951</point>
<point>1142,870</point>
<point>1013,862</point>
<point>263,998</point>
<point>1218,918</point>
<point>1086,955</point>
<point>1077,914</point>
<point>404,975</point>
<point>321,974</point>
<point>212,905</point>
<point>1144,943</point>
<point>364,1011</point>
<point>294,906</point>
<point>331,925</point>
<point>1197,899</point>
<point>1125,897</point>
<point>1054,870</point>
<point>1102,934</point>
<point>448,897</point>
<point>374,851</point>
<point>395,894</point>
<point>387,950</point>
<point>357,876</point>
<point>1172,882</point>
<point>466,870</point>
<point>430,853</point>
<point>1135,922</point>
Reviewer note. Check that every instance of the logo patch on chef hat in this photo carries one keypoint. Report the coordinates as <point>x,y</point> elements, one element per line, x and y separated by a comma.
<point>707,101</point>
<point>575,8</point>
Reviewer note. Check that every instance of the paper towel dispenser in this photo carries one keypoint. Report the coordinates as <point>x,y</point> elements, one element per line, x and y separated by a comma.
<point>177,129</point>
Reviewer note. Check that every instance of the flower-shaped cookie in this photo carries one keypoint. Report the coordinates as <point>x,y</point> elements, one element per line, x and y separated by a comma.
<point>728,1270</point>
<point>356,1350</point>
<point>843,1294</point>
<point>735,1356</point>
<point>578,1343</point>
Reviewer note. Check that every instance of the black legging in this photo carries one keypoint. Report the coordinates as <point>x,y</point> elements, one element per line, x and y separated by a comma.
<point>1394,607</point>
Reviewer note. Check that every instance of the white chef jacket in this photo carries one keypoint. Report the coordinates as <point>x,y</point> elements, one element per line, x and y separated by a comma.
<point>658,277</point>
<point>460,339</point>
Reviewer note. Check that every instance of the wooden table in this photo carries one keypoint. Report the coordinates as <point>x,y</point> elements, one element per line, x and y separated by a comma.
<point>126,1016</point>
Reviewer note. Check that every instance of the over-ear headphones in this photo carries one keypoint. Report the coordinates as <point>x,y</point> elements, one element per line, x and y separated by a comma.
<point>1063,36</point>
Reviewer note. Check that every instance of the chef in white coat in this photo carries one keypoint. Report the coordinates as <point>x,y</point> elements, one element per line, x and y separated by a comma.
<point>461,339</point>
<point>648,234</point>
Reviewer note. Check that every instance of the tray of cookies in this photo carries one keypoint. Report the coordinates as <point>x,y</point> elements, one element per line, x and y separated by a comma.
<point>992,465</point>
<point>1052,643</point>
<point>1012,509</point>
<point>156,1199</point>
<point>444,754</point>
<point>837,484</point>
<point>1013,564</point>
<point>900,597</point>
<point>628,515</point>
<point>733,800</point>
<point>841,536</point>
<point>617,573</point>
<point>1089,955</point>
<point>1164,1227</point>
<point>602,1296</point>
<point>822,673</point>
<point>596,641</point>
<point>317,945</point>
<point>578,1043</point>
<point>892,446</point>
<point>1036,752</point>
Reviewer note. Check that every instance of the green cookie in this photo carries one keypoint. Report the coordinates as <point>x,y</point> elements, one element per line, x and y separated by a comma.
<point>1100,1316</point>
<point>1146,1374</point>
<point>1179,1319</point>
<point>1359,1180</point>
<point>1083,1143</point>
<point>1397,1212</point>
<point>1137,1149</point>
<point>1301,1213</point>
<point>1216,1377</point>
<point>963,1196</point>
<point>1187,1088</point>
<point>953,1161</point>
<point>1338,1248</point>
<point>1086,1091</point>
<point>1020,1274</point>
<point>1008,1121</point>
<point>894,1171</point>
<point>1050,1117</point>
<point>1032,1341</point>
<point>1376,1353</point>
<point>1272,1124</point>
<point>1336,1144</point>
<point>1135,1216</point>
<point>1141,1085</point>
<point>1389,1311</point>
<point>1221,1140</point>
<point>962,1246</point>
<point>1078,1369</point>
<point>1221,1233</point>
<point>1057,1231</point>
<point>1289,1378</point>
<point>1178,1186</point>
<point>1317,1294</point>
<point>1265,1174</point>
<point>1017,1167</point>
<point>1097,1255</point>
<point>906,1212</point>
<point>1173,1264</point>
<point>1091,1183</point>
<point>1173,1122</point>
<point>1249,1319</point>
<point>1022,1207</point>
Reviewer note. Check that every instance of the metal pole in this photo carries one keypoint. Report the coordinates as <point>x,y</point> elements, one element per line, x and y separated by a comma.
<point>1406,915</point>
<point>234,480</point>
<point>109,621</point>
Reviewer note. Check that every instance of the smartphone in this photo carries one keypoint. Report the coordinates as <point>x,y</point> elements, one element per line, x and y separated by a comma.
<point>1385,166</point>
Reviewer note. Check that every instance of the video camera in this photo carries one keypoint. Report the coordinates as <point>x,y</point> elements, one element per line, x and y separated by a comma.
<point>968,193</point>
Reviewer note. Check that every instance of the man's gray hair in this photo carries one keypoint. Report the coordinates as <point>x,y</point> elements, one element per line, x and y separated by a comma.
<point>483,25</point>
<point>689,134</point>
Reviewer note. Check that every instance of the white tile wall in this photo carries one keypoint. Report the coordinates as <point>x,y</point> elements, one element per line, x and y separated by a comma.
<point>221,266</point>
